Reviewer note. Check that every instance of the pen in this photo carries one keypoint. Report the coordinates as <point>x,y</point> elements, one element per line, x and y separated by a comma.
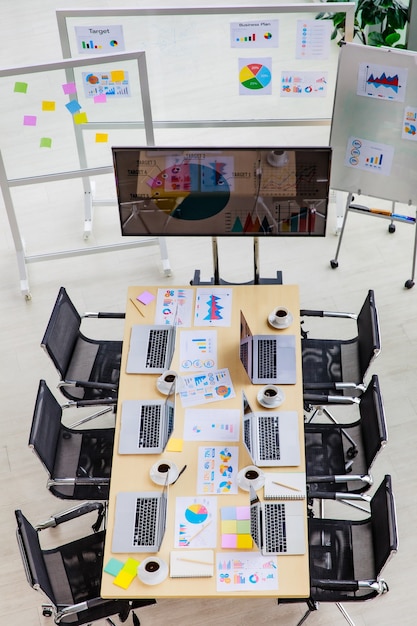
<point>181,471</point>
<point>286,486</point>
<point>137,306</point>
<point>195,561</point>
<point>198,532</point>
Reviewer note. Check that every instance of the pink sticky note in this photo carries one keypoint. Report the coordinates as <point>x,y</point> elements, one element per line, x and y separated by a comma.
<point>229,541</point>
<point>69,88</point>
<point>100,98</point>
<point>29,120</point>
<point>242,512</point>
<point>145,297</point>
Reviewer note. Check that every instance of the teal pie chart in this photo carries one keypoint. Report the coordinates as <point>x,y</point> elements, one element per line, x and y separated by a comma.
<point>196,513</point>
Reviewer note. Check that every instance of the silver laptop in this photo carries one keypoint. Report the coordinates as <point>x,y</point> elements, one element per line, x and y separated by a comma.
<point>277,527</point>
<point>271,437</point>
<point>267,359</point>
<point>151,348</point>
<point>146,425</point>
<point>140,521</point>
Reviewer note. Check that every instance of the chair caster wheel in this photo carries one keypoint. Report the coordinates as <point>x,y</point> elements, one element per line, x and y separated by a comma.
<point>334,264</point>
<point>47,611</point>
<point>409,284</point>
<point>391,228</point>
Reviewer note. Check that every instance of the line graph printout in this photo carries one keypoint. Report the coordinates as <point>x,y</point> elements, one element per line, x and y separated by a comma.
<point>383,82</point>
<point>213,307</point>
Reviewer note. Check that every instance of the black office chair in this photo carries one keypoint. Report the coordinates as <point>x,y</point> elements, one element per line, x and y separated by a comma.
<point>339,457</point>
<point>69,575</point>
<point>89,368</point>
<point>78,461</point>
<point>333,368</point>
<point>347,556</point>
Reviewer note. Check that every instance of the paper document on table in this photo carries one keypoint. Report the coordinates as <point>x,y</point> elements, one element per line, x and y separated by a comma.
<point>195,522</point>
<point>198,350</point>
<point>204,387</point>
<point>174,306</point>
<point>211,424</point>
<point>246,571</point>
<point>217,469</point>
<point>213,306</point>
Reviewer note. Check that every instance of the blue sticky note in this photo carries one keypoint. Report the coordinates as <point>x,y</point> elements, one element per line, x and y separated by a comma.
<point>73,106</point>
<point>113,566</point>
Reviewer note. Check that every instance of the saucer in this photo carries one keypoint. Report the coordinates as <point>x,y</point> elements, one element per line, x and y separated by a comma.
<point>244,483</point>
<point>152,571</point>
<point>163,387</point>
<point>159,478</point>
<point>272,322</point>
<point>273,405</point>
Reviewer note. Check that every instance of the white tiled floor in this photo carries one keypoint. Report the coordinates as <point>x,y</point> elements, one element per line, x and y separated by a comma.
<point>370,258</point>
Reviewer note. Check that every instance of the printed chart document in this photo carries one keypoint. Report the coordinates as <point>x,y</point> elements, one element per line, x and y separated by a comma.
<point>246,571</point>
<point>211,424</point>
<point>213,306</point>
<point>204,387</point>
<point>217,469</point>
<point>195,522</point>
<point>198,350</point>
<point>174,306</point>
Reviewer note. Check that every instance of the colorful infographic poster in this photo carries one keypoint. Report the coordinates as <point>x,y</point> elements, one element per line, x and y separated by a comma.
<point>174,306</point>
<point>109,84</point>
<point>211,424</point>
<point>99,39</point>
<point>313,39</point>
<point>195,522</point>
<point>255,77</point>
<point>409,130</point>
<point>304,84</point>
<point>254,34</point>
<point>205,387</point>
<point>217,470</point>
<point>246,571</point>
<point>213,307</point>
<point>198,350</point>
<point>369,156</point>
<point>383,82</point>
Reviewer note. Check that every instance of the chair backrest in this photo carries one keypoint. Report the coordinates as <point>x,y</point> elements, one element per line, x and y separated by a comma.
<point>384,524</point>
<point>369,340</point>
<point>46,426</point>
<point>373,423</point>
<point>32,556</point>
<point>62,332</point>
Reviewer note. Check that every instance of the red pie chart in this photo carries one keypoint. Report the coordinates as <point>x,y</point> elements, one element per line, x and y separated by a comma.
<point>255,76</point>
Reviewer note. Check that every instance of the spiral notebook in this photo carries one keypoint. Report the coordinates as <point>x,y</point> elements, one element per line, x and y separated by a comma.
<point>191,564</point>
<point>285,486</point>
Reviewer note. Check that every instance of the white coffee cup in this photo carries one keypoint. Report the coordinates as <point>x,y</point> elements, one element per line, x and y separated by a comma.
<point>165,381</point>
<point>164,471</point>
<point>271,395</point>
<point>280,316</point>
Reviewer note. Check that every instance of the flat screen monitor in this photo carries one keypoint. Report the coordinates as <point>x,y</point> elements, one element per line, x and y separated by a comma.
<point>225,191</point>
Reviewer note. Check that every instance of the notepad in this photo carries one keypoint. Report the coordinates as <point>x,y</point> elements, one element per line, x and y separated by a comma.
<point>285,486</point>
<point>191,564</point>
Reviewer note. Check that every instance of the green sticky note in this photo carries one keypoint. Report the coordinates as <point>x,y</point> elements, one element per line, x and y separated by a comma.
<point>46,142</point>
<point>113,567</point>
<point>20,87</point>
<point>131,566</point>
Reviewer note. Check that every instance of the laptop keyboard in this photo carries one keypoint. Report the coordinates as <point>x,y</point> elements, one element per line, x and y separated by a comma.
<point>150,426</point>
<point>145,522</point>
<point>157,347</point>
<point>267,358</point>
<point>275,525</point>
<point>268,426</point>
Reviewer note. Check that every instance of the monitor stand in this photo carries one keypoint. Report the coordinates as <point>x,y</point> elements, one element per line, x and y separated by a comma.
<point>216,280</point>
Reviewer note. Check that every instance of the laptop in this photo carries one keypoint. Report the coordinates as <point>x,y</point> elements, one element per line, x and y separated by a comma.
<point>146,425</point>
<point>151,348</point>
<point>277,527</point>
<point>267,359</point>
<point>271,437</point>
<point>140,520</point>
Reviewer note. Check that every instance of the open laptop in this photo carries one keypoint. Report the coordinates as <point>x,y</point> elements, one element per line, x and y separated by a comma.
<point>271,437</point>
<point>140,521</point>
<point>151,348</point>
<point>146,425</point>
<point>277,527</point>
<point>267,359</point>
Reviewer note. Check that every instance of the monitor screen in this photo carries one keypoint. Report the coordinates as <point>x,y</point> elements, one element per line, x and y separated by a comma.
<point>225,191</point>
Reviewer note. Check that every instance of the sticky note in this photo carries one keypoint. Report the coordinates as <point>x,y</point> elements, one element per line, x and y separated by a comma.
<point>45,142</point>
<point>229,526</point>
<point>243,526</point>
<point>48,105</point>
<point>117,76</point>
<point>20,87</point>
<point>69,88</point>
<point>123,579</point>
<point>102,137</point>
<point>113,566</point>
<point>101,97</point>
<point>174,445</point>
<point>145,297</point>
<point>73,106</point>
<point>131,566</point>
<point>244,542</point>
<point>229,541</point>
<point>80,118</point>
<point>29,120</point>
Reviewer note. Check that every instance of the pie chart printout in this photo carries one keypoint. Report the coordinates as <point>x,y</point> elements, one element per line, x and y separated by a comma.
<point>255,76</point>
<point>196,513</point>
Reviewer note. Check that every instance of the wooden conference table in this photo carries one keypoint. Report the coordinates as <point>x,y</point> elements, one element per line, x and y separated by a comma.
<point>132,472</point>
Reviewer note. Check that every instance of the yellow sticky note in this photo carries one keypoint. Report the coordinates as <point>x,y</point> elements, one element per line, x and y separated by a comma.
<point>229,526</point>
<point>80,118</point>
<point>244,541</point>
<point>102,137</point>
<point>117,76</point>
<point>174,445</point>
<point>123,579</point>
<point>48,105</point>
<point>131,566</point>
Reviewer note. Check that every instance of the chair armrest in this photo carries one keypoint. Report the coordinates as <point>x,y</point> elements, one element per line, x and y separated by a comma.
<point>321,398</point>
<point>317,313</point>
<point>335,585</point>
<point>72,513</point>
<point>105,315</point>
<point>87,384</point>
<point>342,478</point>
<point>81,606</point>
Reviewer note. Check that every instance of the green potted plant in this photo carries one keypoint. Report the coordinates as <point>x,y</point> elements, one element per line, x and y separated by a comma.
<point>377,22</point>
